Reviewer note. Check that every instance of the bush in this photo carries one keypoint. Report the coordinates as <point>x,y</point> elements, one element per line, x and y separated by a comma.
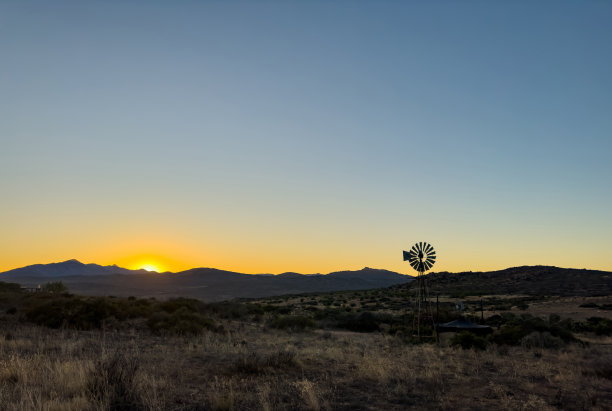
<point>188,304</point>
<point>9,287</point>
<point>517,328</point>
<point>467,340</point>
<point>254,363</point>
<point>56,287</point>
<point>542,340</point>
<point>292,322</point>
<point>84,314</point>
<point>362,322</point>
<point>181,322</point>
<point>598,325</point>
<point>112,383</point>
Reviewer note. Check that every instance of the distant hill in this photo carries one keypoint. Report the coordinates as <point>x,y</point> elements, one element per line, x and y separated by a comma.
<point>66,268</point>
<point>208,284</point>
<point>530,280</point>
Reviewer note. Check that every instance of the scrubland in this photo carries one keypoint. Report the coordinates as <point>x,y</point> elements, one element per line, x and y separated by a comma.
<point>249,355</point>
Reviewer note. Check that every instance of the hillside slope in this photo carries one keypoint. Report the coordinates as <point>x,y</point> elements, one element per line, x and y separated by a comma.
<point>530,280</point>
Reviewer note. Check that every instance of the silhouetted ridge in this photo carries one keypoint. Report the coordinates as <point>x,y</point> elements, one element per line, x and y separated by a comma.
<point>530,280</point>
<point>206,283</point>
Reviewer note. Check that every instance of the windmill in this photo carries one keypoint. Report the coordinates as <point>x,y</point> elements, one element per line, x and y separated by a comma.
<point>422,257</point>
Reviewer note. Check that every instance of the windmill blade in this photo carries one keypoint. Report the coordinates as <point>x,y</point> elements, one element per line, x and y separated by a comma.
<point>428,248</point>
<point>421,246</point>
<point>414,249</point>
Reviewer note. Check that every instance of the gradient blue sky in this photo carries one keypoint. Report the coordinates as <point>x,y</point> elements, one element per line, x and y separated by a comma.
<point>306,136</point>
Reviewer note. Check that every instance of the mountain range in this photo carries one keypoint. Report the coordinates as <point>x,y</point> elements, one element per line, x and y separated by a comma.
<point>209,284</point>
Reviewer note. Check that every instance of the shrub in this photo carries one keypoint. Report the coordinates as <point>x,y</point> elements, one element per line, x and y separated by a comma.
<point>467,340</point>
<point>175,304</point>
<point>78,313</point>
<point>255,363</point>
<point>56,287</point>
<point>112,383</point>
<point>9,287</point>
<point>292,322</point>
<point>362,322</point>
<point>515,329</point>
<point>542,340</point>
<point>181,322</point>
<point>598,325</point>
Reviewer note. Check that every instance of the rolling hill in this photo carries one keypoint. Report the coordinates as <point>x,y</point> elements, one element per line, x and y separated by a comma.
<point>529,280</point>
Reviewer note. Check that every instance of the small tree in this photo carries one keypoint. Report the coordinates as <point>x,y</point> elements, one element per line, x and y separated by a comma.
<point>55,287</point>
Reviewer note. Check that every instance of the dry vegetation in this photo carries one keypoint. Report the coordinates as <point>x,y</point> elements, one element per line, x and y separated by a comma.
<point>244,357</point>
<point>254,368</point>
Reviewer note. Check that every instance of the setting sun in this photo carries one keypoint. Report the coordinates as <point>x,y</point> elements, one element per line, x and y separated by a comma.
<point>149,267</point>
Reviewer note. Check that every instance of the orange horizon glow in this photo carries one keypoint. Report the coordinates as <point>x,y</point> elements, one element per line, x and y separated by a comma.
<point>158,263</point>
<point>179,247</point>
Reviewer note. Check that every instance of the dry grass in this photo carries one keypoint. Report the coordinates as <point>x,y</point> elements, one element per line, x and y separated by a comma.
<point>251,367</point>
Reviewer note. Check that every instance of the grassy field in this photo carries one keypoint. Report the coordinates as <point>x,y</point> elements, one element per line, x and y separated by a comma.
<point>295,352</point>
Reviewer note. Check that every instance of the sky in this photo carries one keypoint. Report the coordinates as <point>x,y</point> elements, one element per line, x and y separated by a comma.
<point>274,136</point>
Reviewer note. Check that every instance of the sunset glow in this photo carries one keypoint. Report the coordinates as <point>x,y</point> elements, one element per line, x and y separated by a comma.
<point>149,267</point>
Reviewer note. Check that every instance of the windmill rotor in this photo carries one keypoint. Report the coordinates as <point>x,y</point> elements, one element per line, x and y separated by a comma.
<point>421,256</point>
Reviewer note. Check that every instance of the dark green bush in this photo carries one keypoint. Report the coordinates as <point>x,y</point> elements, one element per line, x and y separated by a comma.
<point>467,340</point>
<point>9,287</point>
<point>57,287</point>
<point>175,304</point>
<point>255,363</point>
<point>517,328</point>
<point>181,322</point>
<point>542,340</point>
<point>597,325</point>
<point>113,382</point>
<point>292,322</point>
<point>362,322</point>
<point>73,312</point>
